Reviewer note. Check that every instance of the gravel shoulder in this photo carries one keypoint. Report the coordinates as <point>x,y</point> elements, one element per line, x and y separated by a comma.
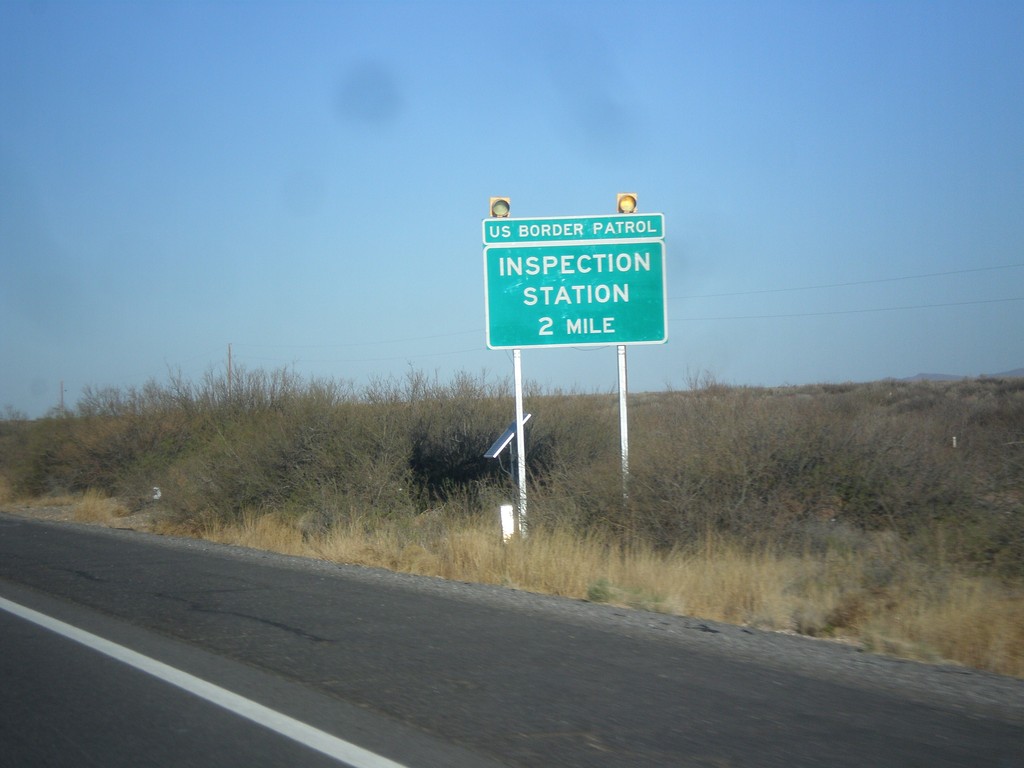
<point>142,520</point>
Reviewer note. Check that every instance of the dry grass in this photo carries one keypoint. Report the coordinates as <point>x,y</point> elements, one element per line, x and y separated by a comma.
<point>258,531</point>
<point>865,597</point>
<point>974,622</point>
<point>88,507</point>
<point>94,507</point>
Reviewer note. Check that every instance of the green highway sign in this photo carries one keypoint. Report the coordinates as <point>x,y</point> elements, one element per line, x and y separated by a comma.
<point>632,226</point>
<point>574,294</point>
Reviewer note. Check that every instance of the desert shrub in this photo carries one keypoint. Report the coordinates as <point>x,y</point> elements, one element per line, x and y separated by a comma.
<point>771,464</point>
<point>304,455</point>
<point>574,462</point>
<point>35,461</point>
<point>449,428</point>
<point>798,467</point>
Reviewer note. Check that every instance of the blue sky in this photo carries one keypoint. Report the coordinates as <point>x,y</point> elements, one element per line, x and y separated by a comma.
<point>842,184</point>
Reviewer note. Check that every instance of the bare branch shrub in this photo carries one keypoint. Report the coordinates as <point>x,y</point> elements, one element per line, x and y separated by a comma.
<point>801,468</point>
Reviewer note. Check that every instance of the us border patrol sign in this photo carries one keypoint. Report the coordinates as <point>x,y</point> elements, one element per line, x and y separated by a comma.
<point>575,281</point>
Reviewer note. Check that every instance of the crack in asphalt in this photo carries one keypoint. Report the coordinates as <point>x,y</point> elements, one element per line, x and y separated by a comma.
<point>193,606</point>
<point>82,574</point>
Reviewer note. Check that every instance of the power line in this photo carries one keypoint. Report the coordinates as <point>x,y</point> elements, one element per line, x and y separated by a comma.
<point>362,343</point>
<point>415,356</point>
<point>480,331</point>
<point>847,284</point>
<point>370,359</point>
<point>847,311</point>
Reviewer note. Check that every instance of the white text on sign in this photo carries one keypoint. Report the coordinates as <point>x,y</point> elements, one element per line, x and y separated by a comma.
<point>573,293</point>
<point>575,228</point>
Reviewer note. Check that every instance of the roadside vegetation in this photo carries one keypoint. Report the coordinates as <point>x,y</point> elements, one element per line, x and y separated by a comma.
<point>889,514</point>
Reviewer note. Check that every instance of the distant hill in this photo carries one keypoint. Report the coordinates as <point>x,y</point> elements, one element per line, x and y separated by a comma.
<point>951,377</point>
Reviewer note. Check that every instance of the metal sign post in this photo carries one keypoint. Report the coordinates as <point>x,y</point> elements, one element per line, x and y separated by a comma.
<point>517,365</point>
<point>623,424</point>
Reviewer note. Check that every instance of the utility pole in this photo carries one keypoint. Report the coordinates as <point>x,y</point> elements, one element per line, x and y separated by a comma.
<point>229,370</point>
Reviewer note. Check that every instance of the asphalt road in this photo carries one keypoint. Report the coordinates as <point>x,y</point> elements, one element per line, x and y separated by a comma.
<point>431,673</point>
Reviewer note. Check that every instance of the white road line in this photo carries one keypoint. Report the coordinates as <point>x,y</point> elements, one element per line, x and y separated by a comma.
<point>305,734</point>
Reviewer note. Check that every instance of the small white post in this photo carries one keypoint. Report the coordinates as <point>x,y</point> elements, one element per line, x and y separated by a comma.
<point>508,522</point>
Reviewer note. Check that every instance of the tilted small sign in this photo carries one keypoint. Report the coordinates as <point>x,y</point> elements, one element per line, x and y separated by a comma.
<point>572,294</point>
